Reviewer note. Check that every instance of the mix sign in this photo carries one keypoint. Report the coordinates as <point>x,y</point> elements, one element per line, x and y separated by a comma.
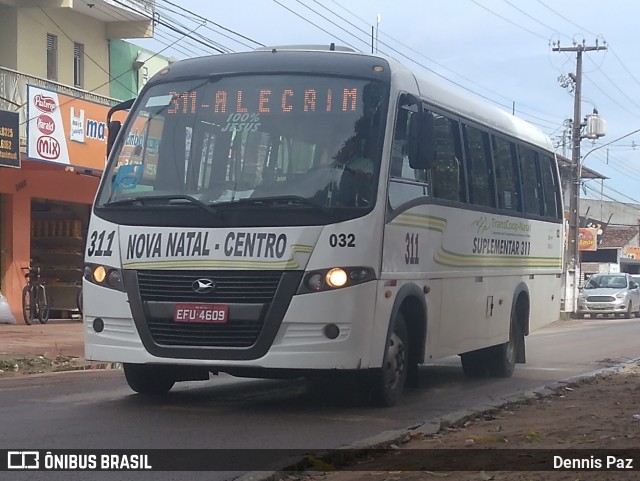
<point>65,129</point>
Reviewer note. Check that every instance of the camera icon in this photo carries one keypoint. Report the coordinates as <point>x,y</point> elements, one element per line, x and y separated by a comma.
<point>23,460</point>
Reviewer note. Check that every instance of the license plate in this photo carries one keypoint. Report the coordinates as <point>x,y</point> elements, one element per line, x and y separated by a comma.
<point>205,313</point>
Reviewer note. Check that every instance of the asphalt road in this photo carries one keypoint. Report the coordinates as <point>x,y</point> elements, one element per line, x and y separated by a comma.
<point>97,410</point>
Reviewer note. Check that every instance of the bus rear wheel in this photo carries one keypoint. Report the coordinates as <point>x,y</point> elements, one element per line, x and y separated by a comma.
<point>148,379</point>
<point>495,361</point>
<point>388,382</point>
<point>501,359</point>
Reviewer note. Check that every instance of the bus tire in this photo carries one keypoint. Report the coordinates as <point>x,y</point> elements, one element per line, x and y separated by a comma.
<point>148,379</point>
<point>388,382</point>
<point>502,358</point>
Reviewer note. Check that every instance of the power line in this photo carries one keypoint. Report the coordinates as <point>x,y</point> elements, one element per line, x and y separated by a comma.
<point>218,25</point>
<point>565,18</point>
<point>509,21</point>
<point>534,18</point>
<point>523,107</point>
<point>171,27</point>
<point>315,25</point>
<point>164,38</point>
<point>332,22</point>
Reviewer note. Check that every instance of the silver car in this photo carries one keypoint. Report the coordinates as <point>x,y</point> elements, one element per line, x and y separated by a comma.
<point>609,294</point>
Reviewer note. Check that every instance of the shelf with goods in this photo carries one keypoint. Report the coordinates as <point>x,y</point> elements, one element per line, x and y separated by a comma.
<point>57,246</point>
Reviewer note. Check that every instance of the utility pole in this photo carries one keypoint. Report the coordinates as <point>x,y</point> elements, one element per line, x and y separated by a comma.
<point>565,134</point>
<point>572,257</point>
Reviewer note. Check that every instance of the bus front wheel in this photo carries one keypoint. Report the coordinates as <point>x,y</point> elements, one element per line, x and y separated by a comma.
<point>388,382</point>
<point>148,379</point>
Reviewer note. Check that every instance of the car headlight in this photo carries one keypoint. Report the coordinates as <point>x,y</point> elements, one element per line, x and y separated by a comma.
<point>621,295</point>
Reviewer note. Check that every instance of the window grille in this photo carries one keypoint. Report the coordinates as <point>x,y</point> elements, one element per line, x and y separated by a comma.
<point>78,64</point>
<point>52,57</point>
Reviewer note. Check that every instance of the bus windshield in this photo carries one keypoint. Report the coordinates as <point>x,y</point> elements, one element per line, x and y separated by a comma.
<point>271,140</point>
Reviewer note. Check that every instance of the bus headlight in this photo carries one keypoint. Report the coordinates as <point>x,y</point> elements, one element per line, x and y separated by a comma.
<point>99,274</point>
<point>335,278</point>
<point>104,276</point>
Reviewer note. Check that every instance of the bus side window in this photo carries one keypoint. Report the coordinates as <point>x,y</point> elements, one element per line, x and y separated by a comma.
<point>400,167</point>
<point>550,187</point>
<point>506,174</point>
<point>531,181</point>
<point>405,183</point>
<point>447,173</point>
<point>398,148</point>
<point>476,145</point>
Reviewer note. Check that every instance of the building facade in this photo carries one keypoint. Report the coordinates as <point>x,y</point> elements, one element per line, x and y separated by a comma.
<point>55,89</point>
<point>616,232</point>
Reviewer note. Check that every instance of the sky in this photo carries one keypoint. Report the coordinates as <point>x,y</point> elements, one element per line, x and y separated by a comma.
<point>500,50</point>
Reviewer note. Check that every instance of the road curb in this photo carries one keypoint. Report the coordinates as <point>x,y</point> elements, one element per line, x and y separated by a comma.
<point>82,365</point>
<point>394,438</point>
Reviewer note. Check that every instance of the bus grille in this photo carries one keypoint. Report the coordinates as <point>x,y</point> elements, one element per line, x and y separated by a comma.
<point>233,334</point>
<point>231,287</point>
<point>244,287</point>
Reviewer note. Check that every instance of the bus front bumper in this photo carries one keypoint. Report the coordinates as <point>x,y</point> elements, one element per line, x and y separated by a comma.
<point>303,341</point>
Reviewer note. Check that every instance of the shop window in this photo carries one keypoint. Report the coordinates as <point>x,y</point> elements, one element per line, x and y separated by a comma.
<point>58,237</point>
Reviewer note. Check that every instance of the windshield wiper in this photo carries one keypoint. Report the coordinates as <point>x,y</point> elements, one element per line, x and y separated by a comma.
<point>141,200</point>
<point>284,199</point>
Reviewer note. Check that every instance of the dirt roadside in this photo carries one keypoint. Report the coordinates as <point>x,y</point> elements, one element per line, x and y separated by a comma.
<point>600,412</point>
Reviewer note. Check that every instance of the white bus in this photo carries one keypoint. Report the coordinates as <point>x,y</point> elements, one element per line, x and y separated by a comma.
<point>303,212</point>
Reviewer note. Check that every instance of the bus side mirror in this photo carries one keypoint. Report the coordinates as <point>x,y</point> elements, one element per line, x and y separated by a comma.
<point>421,141</point>
<point>114,127</point>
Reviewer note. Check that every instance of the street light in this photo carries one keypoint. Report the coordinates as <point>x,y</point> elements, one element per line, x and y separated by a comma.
<point>606,144</point>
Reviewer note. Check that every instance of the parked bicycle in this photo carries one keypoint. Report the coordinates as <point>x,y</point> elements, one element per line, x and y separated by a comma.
<point>35,304</point>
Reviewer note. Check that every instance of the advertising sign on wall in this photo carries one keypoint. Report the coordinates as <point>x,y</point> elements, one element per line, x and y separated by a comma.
<point>632,252</point>
<point>9,139</point>
<point>65,129</point>
<point>588,239</point>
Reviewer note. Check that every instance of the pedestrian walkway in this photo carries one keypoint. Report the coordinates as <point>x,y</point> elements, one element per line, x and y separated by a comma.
<point>52,340</point>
